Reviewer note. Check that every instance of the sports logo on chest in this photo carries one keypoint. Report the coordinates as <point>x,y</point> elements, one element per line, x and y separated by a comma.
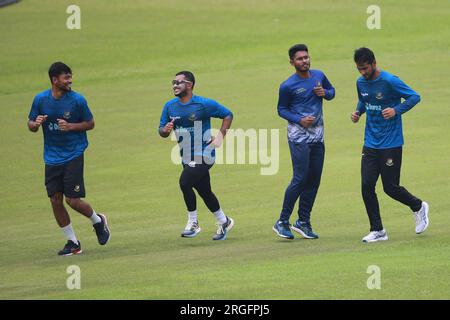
<point>379,95</point>
<point>67,115</point>
<point>193,117</point>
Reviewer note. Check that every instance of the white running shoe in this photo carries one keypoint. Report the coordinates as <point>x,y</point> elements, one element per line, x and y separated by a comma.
<point>191,230</point>
<point>222,229</point>
<point>421,216</point>
<point>374,236</point>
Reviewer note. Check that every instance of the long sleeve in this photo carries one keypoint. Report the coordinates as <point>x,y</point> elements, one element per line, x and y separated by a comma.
<point>360,107</point>
<point>329,89</point>
<point>404,91</point>
<point>284,106</point>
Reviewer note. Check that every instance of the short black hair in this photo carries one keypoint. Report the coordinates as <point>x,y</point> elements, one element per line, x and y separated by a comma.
<point>58,68</point>
<point>364,55</point>
<point>295,48</point>
<point>188,75</point>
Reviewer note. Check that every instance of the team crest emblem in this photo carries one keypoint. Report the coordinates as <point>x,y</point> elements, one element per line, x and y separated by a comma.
<point>192,117</point>
<point>390,162</point>
<point>192,164</point>
<point>77,188</point>
<point>379,95</point>
<point>66,115</point>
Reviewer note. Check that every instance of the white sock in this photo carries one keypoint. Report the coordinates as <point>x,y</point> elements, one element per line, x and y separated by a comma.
<point>69,233</point>
<point>220,216</point>
<point>95,218</point>
<point>193,216</point>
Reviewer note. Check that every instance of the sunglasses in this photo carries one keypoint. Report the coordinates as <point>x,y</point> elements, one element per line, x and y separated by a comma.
<point>177,83</point>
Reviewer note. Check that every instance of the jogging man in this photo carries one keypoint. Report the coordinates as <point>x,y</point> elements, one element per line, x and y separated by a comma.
<point>300,103</point>
<point>190,116</point>
<point>380,94</point>
<point>65,117</point>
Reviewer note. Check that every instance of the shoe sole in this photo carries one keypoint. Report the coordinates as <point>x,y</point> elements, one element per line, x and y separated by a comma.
<point>71,254</point>
<point>107,228</point>
<point>280,235</point>
<point>302,233</point>
<point>191,235</point>
<point>376,240</point>
<point>427,208</point>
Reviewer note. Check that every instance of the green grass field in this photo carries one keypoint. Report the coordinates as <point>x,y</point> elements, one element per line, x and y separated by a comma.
<point>124,58</point>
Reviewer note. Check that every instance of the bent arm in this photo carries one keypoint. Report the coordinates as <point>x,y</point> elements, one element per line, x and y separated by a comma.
<point>404,91</point>
<point>284,106</point>
<point>82,126</point>
<point>330,92</point>
<point>226,124</point>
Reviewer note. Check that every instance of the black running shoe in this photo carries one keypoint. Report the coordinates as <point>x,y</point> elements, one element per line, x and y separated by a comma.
<point>304,229</point>
<point>70,248</point>
<point>102,230</point>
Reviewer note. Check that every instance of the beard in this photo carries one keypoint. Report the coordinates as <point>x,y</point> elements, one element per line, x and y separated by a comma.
<point>303,68</point>
<point>371,75</point>
<point>180,94</point>
<point>65,88</point>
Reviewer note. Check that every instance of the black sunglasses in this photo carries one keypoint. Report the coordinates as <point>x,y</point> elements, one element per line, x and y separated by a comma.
<point>176,82</point>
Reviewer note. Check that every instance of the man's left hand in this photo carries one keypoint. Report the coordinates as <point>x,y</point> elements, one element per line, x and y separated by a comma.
<point>63,125</point>
<point>217,141</point>
<point>319,91</point>
<point>388,113</point>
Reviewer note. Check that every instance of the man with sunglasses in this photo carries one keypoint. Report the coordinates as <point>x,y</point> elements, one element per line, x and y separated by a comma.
<point>190,116</point>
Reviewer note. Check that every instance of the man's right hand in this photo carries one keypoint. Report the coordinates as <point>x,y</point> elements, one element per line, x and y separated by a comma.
<point>34,125</point>
<point>355,116</point>
<point>307,121</point>
<point>40,120</point>
<point>168,127</point>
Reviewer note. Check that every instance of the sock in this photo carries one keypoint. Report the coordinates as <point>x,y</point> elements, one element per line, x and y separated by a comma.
<point>95,218</point>
<point>69,233</point>
<point>220,216</point>
<point>193,216</point>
